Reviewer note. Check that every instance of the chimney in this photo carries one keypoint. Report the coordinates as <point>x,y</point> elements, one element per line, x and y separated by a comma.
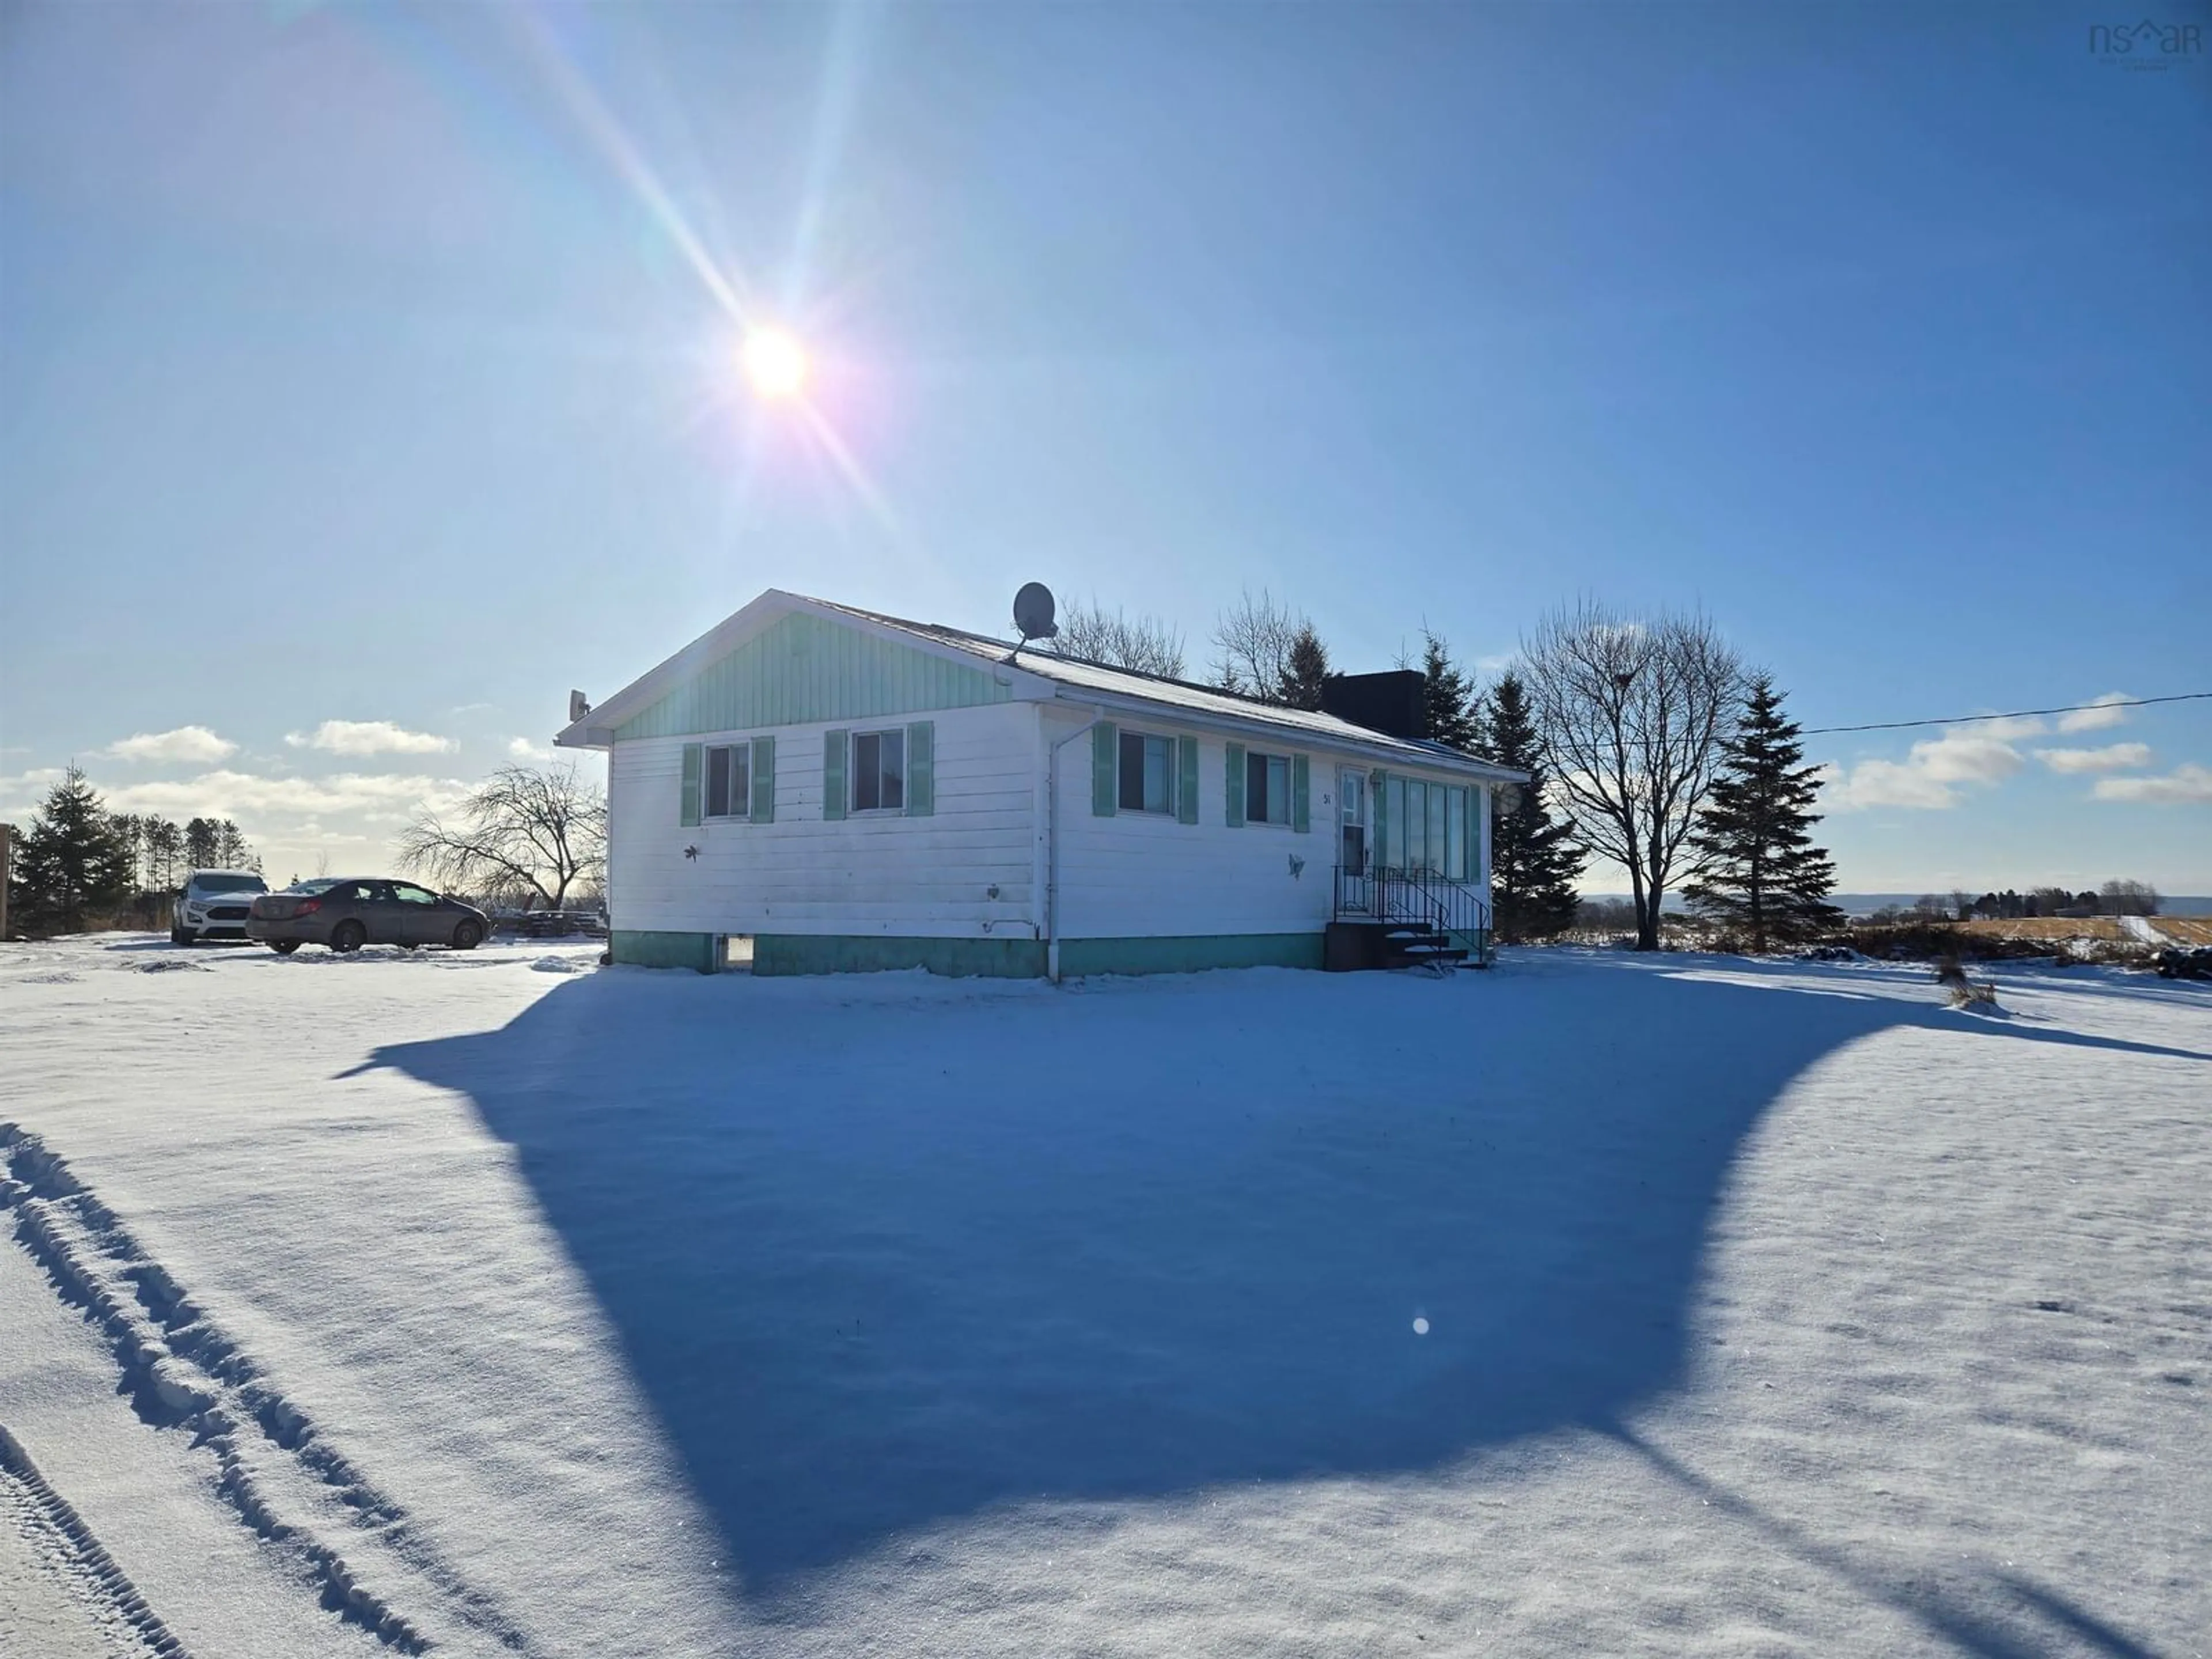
<point>1391,702</point>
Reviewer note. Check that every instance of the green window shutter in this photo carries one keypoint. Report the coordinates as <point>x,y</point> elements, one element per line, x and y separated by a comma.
<point>922,768</point>
<point>695,763</point>
<point>1301,812</point>
<point>763,803</point>
<point>1378,813</point>
<point>1105,758</point>
<point>833,774</point>
<point>1236,779</point>
<point>1187,779</point>
<point>1471,859</point>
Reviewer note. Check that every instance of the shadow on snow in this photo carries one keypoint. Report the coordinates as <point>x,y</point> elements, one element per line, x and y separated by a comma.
<point>886,1252</point>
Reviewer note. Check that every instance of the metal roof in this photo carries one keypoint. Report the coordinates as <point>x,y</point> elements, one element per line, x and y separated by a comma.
<point>1072,679</point>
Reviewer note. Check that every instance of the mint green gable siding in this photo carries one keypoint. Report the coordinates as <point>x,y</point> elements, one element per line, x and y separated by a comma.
<point>804,669</point>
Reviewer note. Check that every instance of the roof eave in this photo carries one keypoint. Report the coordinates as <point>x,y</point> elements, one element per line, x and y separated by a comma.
<point>1379,746</point>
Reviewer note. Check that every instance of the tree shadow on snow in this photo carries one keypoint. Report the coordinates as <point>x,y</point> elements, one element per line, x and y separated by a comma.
<point>887,1252</point>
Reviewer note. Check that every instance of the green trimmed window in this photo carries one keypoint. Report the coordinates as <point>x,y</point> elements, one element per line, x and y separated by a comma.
<point>1266,788</point>
<point>729,786</point>
<point>878,779</point>
<point>1425,828</point>
<point>1148,773</point>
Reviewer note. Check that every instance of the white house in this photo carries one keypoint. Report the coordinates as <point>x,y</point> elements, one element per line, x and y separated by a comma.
<point>852,791</point>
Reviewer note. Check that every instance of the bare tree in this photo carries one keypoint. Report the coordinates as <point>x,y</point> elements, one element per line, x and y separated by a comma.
<point>1143,643</point>
<point>2130,898</point>
<point>527,832</point>
<point>1252,644</point>
<point>1632,715</point>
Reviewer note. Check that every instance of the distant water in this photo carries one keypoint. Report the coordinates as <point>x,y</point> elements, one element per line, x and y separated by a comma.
<point>1859,904</point>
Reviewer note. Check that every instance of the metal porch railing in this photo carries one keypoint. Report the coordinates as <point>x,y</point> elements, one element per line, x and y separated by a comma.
<point>1389,893</point>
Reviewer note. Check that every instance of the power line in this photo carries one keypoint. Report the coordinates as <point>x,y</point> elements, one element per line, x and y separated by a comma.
<point>2016,715</point>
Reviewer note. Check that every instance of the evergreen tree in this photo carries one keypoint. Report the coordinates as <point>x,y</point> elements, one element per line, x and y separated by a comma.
<point>165,849</point>
<point>231,849</point>
<point>1306,668</point>
<point>1534,861</point>
<point>130,836</point>
<point>1448,697</point>
<point>70,864</point>
<point>1761,874</point>
<point>202,843</point>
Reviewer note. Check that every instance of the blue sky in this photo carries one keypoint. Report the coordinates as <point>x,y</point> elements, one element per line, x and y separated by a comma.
<point>366,372</point>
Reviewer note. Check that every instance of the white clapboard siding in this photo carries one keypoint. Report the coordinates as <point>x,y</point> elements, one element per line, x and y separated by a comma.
<point>1142,875</point>
<point>866,874</point>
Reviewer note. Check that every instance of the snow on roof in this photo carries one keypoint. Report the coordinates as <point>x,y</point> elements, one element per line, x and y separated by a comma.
<point>1072,677</point>
<point>1182,694</point>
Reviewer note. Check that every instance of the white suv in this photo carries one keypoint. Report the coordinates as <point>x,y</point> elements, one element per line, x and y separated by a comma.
<point>213,905</point>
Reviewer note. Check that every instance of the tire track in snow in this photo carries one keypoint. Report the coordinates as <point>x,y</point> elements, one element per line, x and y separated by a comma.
<point>61,1542</point>
<point>181,1370</point>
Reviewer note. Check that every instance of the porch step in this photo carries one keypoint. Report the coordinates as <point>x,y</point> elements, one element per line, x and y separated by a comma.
<point>1391,945</point>
<point>1414,943</point>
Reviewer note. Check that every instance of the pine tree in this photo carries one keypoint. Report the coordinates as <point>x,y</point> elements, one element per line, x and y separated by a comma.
<point>1448,697</point>
<point>164,847</point>
<point>70,864</point>
<point>231,849</point>
<point>203,844</point>
<point>1762,876</point>
<point>1534,861</point>
<point>131,835</point>
<point>1306,668</point>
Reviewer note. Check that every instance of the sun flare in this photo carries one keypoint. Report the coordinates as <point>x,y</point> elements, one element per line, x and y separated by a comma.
<point>775,364</point>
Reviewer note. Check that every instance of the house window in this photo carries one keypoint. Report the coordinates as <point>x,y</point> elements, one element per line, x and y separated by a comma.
<point>879,771</point>
<point>729,782</point>
<point>1266,789</point>
<point>1148,771</point>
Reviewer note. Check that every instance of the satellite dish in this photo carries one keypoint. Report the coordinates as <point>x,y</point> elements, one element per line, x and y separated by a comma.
<point>1033,610</point>
<point>579,706</point>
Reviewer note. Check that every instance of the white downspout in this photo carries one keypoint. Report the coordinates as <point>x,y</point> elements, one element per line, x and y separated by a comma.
<point>1052,848</point>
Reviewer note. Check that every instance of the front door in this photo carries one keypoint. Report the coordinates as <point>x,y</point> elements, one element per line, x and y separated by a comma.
<point>1352,856</point>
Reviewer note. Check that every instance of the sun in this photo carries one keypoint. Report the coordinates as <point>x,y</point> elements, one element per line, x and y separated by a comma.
<point>774,363</point>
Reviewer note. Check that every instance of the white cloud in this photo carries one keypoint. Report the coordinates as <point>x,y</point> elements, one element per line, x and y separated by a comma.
<point>2188,783</point>
<point>1927,778</point>
<point>1882,783</point>
<point>1967,757</point>
<point>370,737</point>
<point>187,743</point>
<point>2098,715</point>
<point>24,792</point>
<point>243,795</point>
<point>522,749</point>
<point>2113,758</point>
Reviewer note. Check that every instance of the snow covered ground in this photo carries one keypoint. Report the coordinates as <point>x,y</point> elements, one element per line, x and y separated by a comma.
<point>497,1303</point>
